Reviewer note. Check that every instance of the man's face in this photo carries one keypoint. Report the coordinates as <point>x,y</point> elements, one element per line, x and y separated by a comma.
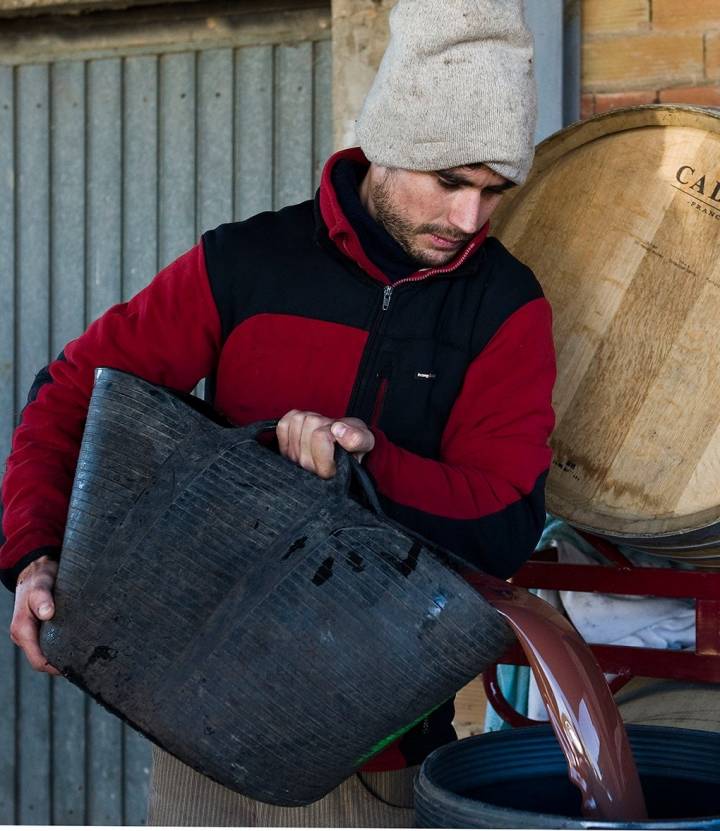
<point>432,215</point>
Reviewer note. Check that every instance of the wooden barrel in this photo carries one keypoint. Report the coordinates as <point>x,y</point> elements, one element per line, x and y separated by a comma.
<point>620,221</point>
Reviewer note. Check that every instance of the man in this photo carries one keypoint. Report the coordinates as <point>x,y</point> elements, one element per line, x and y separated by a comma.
<point>380,317</point>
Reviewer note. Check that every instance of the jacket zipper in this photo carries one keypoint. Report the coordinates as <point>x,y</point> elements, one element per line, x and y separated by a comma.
<point>378,326</point>
<point>423,275</point>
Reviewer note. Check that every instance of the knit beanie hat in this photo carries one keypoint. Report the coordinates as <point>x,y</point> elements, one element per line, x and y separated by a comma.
<point>456,86</point>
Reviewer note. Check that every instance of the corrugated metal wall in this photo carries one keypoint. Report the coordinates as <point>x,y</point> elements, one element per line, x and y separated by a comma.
<point>110,168</point>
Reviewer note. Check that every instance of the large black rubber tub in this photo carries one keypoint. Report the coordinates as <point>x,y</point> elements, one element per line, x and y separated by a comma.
<point>252,619</point>
<point>518,779</point>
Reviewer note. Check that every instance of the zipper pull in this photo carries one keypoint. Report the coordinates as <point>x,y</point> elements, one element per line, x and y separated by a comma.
<point>387,294</point>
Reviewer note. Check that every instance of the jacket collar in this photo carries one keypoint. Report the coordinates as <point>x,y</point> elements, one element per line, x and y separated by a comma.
<point>344,237</point>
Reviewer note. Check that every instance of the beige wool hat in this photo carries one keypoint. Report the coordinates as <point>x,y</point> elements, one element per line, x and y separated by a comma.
<point>456,86</point>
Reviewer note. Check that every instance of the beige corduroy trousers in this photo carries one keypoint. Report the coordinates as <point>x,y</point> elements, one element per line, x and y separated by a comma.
<point>180,796</point>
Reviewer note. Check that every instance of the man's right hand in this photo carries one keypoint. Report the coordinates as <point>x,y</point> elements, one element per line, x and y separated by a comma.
<point>33,604</point>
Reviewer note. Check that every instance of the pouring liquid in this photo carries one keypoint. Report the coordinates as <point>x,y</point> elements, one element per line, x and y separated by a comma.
<point>582,711</point>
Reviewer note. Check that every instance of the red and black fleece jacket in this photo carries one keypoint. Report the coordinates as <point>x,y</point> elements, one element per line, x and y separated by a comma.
<point>452,367</point>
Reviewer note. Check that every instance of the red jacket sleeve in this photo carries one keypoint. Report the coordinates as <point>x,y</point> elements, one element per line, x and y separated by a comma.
<point>169,334</point>
<point>484,497</point>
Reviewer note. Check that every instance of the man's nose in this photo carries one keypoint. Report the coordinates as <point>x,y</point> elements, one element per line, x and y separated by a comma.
<point>466,213</point>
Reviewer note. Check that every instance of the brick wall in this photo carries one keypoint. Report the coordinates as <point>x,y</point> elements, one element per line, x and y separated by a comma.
<point>650,51</point>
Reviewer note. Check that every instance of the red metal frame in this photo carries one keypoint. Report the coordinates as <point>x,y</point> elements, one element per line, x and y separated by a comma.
<point>619,576</point>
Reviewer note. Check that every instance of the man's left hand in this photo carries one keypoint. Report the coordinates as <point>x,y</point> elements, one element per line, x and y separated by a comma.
<point>308,439</point>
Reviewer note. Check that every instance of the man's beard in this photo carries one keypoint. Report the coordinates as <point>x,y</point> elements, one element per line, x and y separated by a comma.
<point>405,233</point>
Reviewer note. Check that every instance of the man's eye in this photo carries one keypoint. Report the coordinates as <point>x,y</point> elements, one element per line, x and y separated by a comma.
<point>447,184</point>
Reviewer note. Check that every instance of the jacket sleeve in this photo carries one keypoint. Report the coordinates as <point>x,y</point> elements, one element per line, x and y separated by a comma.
<point>483,499</point>
<point>169,334</point>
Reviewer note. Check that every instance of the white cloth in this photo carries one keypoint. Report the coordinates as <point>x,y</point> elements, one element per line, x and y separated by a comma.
<point>625,620</point>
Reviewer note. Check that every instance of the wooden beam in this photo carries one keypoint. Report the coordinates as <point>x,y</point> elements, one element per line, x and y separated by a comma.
<point>27,8</point>
<point>156,29</point>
